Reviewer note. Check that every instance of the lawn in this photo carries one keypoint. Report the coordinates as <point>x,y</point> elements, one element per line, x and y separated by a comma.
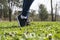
<point>35,31</point>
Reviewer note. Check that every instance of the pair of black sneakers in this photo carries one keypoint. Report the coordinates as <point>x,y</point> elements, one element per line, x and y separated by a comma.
<point>22,22</point>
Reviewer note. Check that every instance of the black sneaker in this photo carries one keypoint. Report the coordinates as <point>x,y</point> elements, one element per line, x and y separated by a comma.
<point>22,22</point>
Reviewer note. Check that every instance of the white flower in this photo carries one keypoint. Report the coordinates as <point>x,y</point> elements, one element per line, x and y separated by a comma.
<point>49,35</point>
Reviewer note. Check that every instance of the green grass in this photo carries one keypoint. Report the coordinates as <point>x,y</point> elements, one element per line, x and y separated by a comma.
<point>35,31</point>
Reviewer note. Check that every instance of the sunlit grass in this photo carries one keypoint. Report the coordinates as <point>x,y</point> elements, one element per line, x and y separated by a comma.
<point>35,31</point>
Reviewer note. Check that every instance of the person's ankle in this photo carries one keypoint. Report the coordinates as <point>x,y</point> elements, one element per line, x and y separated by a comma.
<point>23,17</point>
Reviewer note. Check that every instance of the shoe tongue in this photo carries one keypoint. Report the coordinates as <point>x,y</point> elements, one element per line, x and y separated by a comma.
<point>23,17</point>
